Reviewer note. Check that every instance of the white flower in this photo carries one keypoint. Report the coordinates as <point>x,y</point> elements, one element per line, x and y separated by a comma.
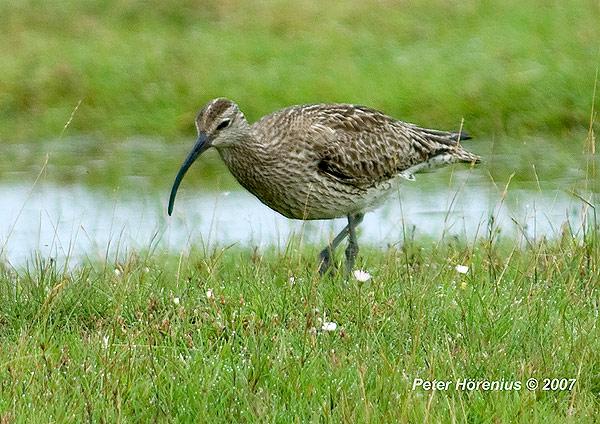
<point>117,272</point>
<point>176,300</point>
<point>362,276</point>
<point>461,269</point>
<point>104,342</point>
<point>329,326</point>
<point>292,281</point>
<point>210,294</point>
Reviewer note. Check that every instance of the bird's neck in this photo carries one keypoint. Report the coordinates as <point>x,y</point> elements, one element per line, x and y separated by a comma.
<point>245,160</point>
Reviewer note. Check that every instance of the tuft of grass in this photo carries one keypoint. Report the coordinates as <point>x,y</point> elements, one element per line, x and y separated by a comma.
<point>236,335</point>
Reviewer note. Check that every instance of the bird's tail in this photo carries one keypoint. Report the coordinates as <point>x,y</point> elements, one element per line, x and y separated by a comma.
<point>450,140</point>
<point>463,155</point>
<point>446,137</point>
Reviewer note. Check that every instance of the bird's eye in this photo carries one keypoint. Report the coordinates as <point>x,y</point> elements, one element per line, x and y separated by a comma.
<point>223,124</point>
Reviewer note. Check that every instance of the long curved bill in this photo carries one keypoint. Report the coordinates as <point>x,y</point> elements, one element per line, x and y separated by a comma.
<point>200,146</point>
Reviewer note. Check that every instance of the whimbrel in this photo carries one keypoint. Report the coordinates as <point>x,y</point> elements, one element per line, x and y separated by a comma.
<point>321,161</point>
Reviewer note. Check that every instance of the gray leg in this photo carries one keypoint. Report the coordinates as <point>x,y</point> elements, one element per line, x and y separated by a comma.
<point>352,249</point>
<point>327,253</point>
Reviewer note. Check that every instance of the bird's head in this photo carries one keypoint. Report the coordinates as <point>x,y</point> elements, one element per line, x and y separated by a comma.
<point>220,124</point>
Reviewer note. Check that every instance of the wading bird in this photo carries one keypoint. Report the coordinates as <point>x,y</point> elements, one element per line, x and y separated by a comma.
<point>321,161</point>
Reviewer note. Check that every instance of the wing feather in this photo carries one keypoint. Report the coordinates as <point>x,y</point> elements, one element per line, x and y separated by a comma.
<point>356,145</point>
<point>363,147</point>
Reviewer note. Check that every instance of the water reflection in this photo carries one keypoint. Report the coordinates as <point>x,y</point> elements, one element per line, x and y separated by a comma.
<point>73,221</point>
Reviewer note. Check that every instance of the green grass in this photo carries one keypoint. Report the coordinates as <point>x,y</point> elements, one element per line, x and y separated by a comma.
<point>110,343</point>
<point>145,68</point>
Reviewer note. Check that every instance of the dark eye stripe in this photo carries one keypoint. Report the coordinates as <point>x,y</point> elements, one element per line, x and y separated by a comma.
<point>223,124</point>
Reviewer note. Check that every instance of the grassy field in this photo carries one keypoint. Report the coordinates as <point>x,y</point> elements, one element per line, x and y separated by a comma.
<point>145,68</point>
<point>235,335</point>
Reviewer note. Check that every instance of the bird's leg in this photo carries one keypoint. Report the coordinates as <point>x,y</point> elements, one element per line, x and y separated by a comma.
<point>327,253</point>
<point>352,249</point>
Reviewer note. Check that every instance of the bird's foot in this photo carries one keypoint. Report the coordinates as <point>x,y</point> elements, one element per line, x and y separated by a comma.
<point>325,263</point>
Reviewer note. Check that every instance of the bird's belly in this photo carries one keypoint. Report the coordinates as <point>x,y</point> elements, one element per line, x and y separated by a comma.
<point>302,192</point>
<point>319,199</point>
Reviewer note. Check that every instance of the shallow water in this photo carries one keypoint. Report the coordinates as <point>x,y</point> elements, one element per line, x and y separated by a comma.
<point>79,223</point>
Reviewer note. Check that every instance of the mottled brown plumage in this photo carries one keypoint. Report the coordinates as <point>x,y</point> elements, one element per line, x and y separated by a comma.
<point>321,161</point>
